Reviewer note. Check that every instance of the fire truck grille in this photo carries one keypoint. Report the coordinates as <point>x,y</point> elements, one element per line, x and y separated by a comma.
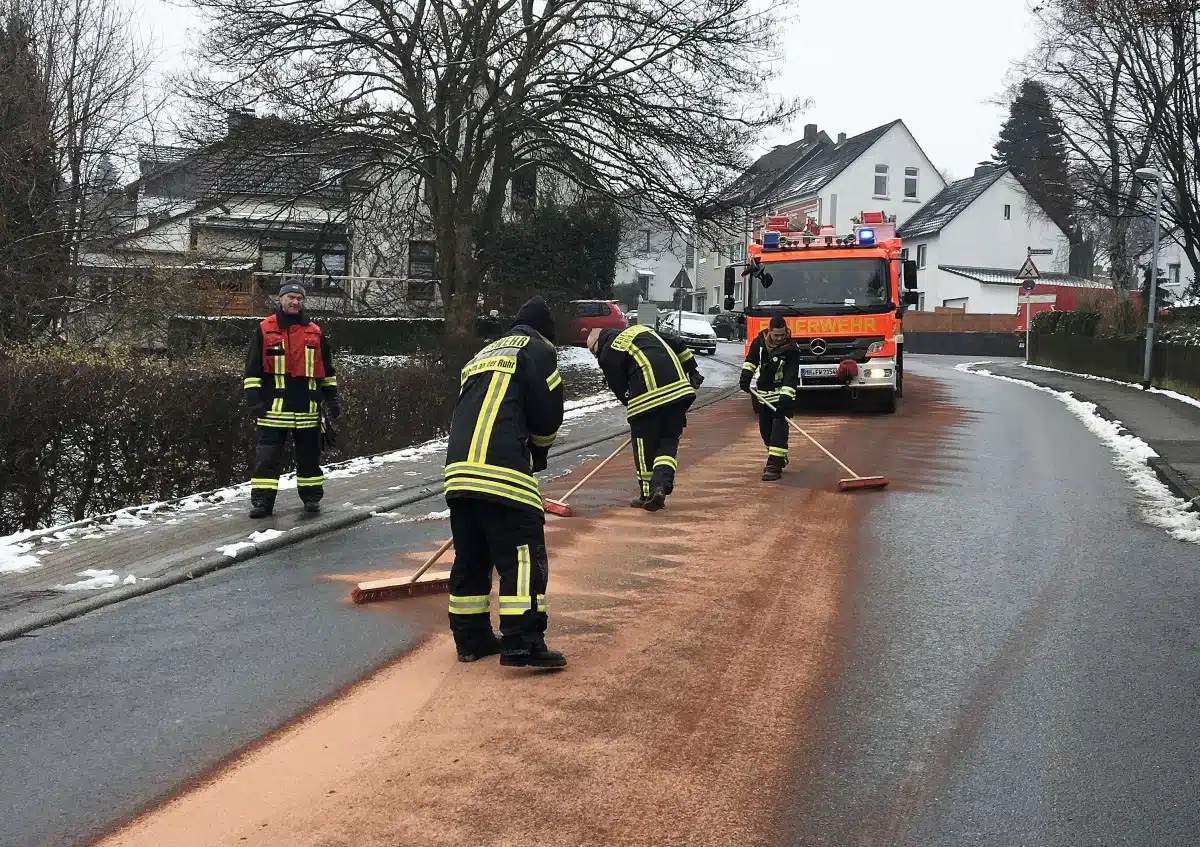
<point>836,349</point>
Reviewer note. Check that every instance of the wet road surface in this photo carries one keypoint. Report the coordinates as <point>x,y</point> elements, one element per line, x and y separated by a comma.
<point>1019,656</point>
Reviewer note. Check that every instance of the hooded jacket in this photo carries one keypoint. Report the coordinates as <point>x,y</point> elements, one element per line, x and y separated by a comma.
<point>509,409</point>
<point>646,370</point>
<point>778,368</point>
<point>289,370</point>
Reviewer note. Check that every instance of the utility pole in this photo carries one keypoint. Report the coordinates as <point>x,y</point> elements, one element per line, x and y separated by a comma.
<point>1151,174</point>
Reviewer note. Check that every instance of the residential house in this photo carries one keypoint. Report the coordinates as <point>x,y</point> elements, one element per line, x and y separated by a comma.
<point>972,237</point>
<point>830,181</point>
<point>1173,265</point>
<point>660,261</point>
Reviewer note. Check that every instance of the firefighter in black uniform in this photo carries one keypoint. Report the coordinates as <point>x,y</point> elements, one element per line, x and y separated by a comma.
<point>509,409</point>
<point>776,357</point>
<point>289,376</point>
<point>655,376</point>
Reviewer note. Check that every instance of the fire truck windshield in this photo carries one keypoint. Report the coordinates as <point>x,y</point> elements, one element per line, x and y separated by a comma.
<point>831,285</point>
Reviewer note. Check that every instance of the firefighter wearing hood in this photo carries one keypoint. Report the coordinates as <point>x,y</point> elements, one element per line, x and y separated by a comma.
<point>509,410</point>
<point>776,358</point>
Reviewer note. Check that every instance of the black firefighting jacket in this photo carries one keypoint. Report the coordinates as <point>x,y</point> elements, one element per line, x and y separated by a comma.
<point>302,378</point>
<point>646,370</point>
<point>509,409</point>
<point>778,369</point>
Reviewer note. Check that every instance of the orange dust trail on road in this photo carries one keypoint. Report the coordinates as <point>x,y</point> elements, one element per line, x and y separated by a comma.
<point>698,639</point>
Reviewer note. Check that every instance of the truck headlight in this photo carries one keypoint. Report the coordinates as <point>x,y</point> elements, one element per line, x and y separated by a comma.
<point>877,347</point>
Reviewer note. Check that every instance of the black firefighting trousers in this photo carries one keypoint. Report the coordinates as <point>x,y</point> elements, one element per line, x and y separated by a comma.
<point>268,463</point>
<point>773,427</point>
<point>512,540</point>
<point>656,437</point>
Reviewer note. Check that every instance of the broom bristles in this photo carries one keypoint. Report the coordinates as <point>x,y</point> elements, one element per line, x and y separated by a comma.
<point>863,482</point>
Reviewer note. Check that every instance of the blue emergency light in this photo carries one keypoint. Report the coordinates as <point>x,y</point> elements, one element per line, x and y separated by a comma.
<point>770,238</point>
<point>866,237</point>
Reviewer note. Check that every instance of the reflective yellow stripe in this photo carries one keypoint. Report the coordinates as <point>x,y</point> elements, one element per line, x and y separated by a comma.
<point>265,482</point>
<point>777,451</point>
<point>469,604</point>
<point>496,489</point>
<point>523,574</point>
<point>309,481</point>
<point>252,382</point>
<point>310,356</point>
<point>495,364</point>
<point>487,416</point>
<point>280,372</point>
<point>646,368</point>
<point>554,380</point>
<point>543,440</point>
<point>686,355</point>
<point>788,391</point>
<point>666,461</point>
<point>495,473</point>
<point>660,397</point>
<point>329,382</point>
<point>519,604</point>
<point>749,366</point>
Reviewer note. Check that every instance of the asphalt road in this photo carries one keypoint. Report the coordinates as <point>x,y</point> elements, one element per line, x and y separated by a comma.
<point>104,714</point>
<point>1020,657</point>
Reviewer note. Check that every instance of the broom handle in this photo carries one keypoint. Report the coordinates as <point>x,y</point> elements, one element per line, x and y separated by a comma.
<point>595,470</point>
<point>440,552</point>
<point>796,427</point>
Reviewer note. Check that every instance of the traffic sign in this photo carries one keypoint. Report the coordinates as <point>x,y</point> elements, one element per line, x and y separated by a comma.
<point>1024,299</point>
<point>1041,252</point>
<point>1028,270</point>
<point>1028,285</point>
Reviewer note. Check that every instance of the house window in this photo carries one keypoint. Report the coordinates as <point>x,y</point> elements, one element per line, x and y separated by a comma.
<point>903,254</point>
<point>1007,212</point>
<point>1173,272</point>
<point>422,260</point>
<point>645,240</point>
<point>881,180</point>
<point>643,282</point>
<point>956,303</point>
<point>910,183</point>
<point>690,258</point>
<point>921,255</point>
<point>921,301</point>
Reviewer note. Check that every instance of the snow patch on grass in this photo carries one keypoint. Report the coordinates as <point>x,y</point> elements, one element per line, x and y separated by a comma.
<point>1159,507</point>
<point>577,357</point>
<point>1174,395</point>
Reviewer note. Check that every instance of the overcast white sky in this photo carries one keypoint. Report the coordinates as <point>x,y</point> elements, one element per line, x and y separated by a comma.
<point>933,63</point>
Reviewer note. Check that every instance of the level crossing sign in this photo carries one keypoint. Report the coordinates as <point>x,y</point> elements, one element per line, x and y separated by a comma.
<point>1028,274</point>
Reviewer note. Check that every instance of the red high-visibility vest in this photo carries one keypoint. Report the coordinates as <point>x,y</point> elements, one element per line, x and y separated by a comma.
<point>295,351</point>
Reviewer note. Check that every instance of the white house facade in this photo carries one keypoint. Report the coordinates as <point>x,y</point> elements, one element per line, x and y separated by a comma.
<point>1172,263</point>
<point>971,238</point>
<point>659,261</point>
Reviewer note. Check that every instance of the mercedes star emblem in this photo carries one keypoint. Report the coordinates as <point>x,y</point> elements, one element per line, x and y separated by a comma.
<point>818,346</point>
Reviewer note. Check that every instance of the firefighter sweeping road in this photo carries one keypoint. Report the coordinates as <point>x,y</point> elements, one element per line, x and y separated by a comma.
<point>996,650</point>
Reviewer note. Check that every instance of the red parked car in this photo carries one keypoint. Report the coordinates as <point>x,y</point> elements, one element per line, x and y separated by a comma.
<point>587,315</point>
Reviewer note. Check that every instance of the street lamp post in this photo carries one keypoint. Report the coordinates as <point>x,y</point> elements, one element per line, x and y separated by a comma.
<point>1151,174</point>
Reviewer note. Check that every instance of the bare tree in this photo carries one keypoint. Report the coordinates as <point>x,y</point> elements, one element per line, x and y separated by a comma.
<point>655,99</point>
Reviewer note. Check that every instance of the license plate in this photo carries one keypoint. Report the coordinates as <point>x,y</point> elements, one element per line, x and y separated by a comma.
<point>819,371</point>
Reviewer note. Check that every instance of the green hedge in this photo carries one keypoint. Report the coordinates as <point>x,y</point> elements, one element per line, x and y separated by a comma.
<point>1053,322</point>
<point>364,336</point>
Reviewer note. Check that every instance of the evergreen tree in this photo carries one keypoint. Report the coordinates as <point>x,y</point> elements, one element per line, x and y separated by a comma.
<point>1032,144</point>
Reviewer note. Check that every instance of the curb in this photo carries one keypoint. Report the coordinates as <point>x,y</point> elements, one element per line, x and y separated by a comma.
<point>1167,474</point>
<point>429,487</point>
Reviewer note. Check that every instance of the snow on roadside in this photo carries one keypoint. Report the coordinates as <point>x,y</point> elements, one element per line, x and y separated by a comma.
<point>231,550</point>
<point>577,357</point>
<point>1159,507</point>
<point>94,580</point>
<point>16,558</point>
<point>1174,395</point>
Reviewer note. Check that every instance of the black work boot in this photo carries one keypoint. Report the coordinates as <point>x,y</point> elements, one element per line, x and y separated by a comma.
<point>312,506</point>
<point>532,656</point>
<point>657,499</point>
<point>638,502</point>
<point>259,509</point>
<point>477,649</point>
<point>773,469</point>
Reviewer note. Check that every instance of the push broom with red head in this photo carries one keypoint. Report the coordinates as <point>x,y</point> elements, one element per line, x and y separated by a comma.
<point>560,507</point>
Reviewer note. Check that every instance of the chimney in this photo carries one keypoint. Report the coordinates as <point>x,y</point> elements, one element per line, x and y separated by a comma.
<point>810,132</point>
<point>239,118</point>
<point>983,168</point>
<point>841,137</point>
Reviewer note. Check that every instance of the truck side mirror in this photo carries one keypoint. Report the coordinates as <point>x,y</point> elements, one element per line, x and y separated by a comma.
<point>729,304</point>
<point>912,298</point>
<point>766,279</point>
<point>729,281</point>
<point>910,274</point>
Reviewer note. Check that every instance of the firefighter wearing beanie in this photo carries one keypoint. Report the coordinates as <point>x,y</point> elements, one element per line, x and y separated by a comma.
<point>289,376</point>
<point>776,358</point>
<point>509,409</point>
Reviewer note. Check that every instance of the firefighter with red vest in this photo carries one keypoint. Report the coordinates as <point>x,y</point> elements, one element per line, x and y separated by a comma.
<point>289,375</point>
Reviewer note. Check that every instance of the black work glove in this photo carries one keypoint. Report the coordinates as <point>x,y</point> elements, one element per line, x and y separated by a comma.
<point>744,383</point>
<point>540,456</point>
<point>257,410</point>
<point>784,405</point>
<point>334,407</point>
<point>696,379</point>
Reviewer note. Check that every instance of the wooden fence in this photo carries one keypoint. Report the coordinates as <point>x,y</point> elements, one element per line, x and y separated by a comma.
<point>1173,366</point>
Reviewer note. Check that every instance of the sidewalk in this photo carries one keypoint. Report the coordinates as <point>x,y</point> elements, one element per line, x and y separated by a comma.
<point>56,574</point>
<point>1171,427</point>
